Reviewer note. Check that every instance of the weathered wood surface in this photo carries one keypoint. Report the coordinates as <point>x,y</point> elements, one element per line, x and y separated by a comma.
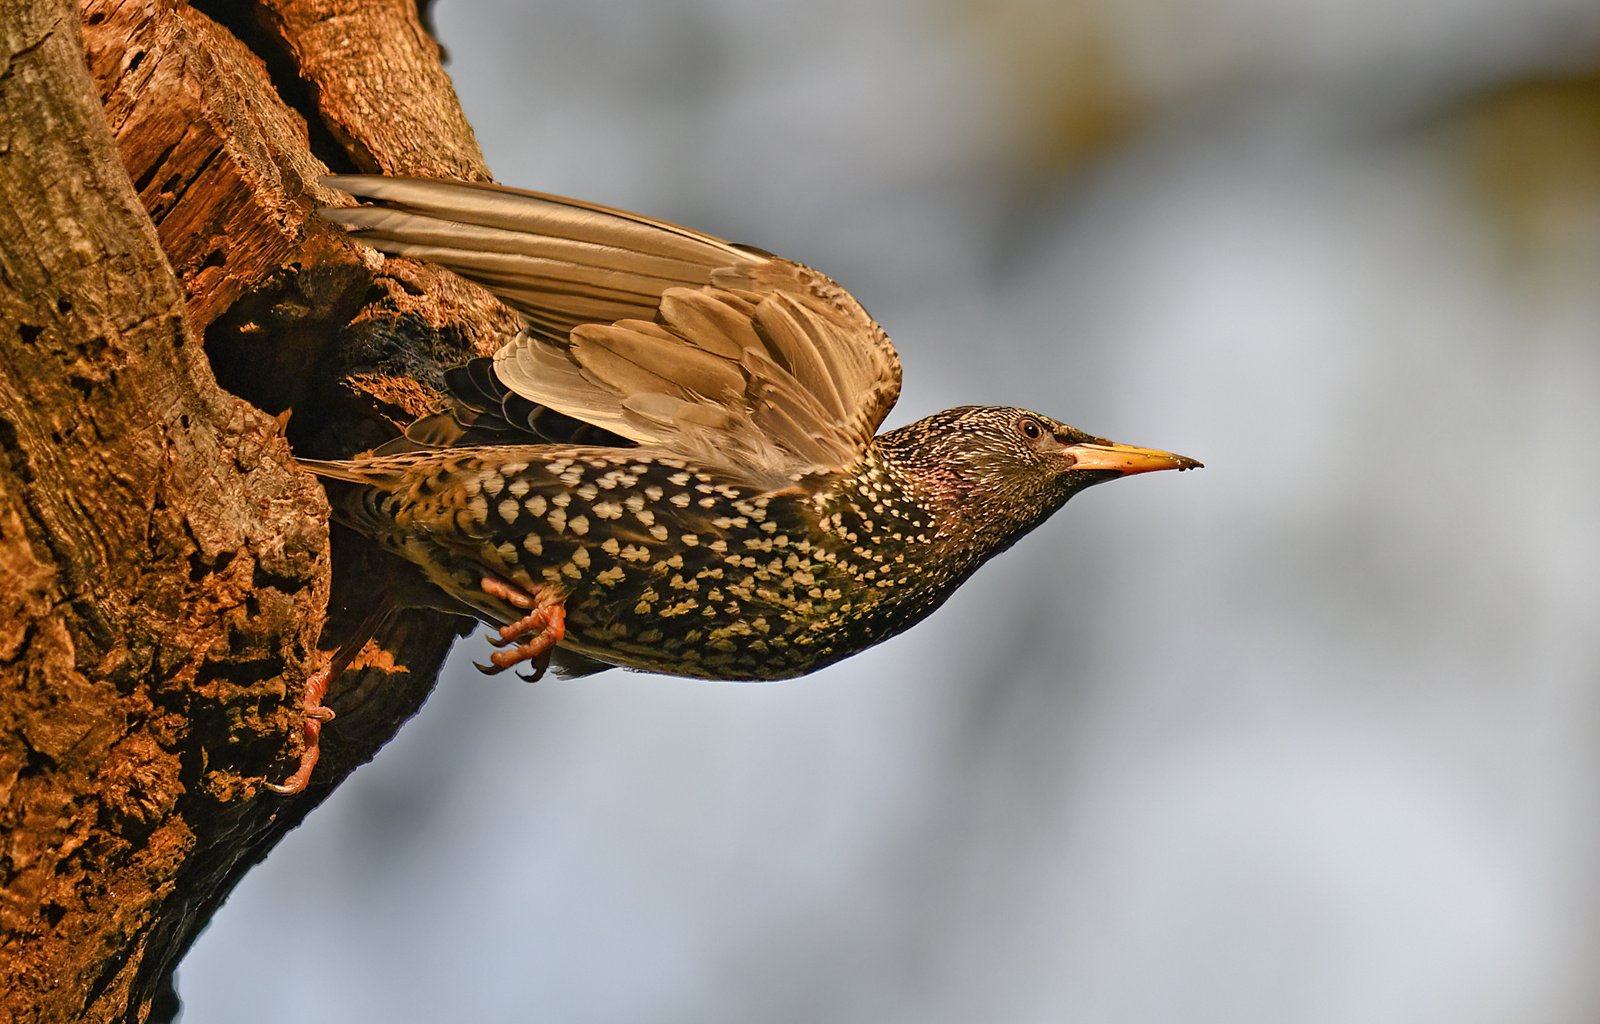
<point>168,302</point>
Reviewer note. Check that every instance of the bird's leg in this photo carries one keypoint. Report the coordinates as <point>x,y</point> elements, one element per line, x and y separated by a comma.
<point>546,619</point>
<point>316,687</point>
<point>311,730</point>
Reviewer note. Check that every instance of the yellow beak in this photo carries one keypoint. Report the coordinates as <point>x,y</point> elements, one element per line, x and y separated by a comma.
<point>1122,458</point>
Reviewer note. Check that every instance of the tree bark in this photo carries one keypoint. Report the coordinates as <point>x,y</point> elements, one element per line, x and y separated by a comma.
<point>174,321</point>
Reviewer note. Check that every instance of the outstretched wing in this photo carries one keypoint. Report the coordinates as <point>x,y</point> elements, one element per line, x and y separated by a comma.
<point>665,336</point>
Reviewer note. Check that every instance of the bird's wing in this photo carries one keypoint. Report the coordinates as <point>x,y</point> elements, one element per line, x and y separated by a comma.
<point>663,335</point>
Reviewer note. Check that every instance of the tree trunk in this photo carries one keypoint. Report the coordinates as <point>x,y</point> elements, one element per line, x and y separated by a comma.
<point>167,299</point>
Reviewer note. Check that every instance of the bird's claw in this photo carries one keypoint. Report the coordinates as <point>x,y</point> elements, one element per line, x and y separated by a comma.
<point>546,620</point>
<point>541,662</point>
<point>316,716</point>
<point>316,687</point>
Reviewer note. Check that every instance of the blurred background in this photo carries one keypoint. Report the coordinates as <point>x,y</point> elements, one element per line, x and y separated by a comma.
<point>1312,735</point>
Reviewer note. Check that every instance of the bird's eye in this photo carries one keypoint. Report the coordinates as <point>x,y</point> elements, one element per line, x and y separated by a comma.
<point>1030,428</point>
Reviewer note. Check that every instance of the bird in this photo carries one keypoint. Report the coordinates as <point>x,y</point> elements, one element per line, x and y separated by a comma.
<point>675,465</point>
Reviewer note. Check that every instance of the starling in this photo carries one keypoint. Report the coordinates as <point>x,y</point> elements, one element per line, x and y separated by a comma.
<point>676,466</point>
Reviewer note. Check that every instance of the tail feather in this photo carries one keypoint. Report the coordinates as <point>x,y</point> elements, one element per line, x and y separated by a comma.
<point>348,471</point>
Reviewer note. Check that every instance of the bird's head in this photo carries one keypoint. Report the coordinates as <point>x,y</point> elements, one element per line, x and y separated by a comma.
<point>996,473</point>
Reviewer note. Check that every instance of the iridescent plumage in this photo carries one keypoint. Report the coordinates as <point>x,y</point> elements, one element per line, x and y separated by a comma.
<point>714,500</point>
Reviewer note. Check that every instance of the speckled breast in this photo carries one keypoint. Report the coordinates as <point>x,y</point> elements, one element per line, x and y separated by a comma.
<point>666,567</point>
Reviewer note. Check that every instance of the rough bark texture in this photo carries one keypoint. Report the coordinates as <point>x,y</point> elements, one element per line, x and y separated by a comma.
<point>168,302</point>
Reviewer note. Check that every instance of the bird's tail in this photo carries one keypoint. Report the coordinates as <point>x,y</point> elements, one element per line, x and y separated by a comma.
<point>352,472</point>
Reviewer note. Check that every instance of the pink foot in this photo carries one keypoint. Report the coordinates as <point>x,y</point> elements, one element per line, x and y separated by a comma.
<point>317,687</point>
<point>316,717</point>
<point>546,619</point>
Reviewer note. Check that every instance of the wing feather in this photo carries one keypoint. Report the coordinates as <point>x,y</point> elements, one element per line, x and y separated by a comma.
<point>665,336</point>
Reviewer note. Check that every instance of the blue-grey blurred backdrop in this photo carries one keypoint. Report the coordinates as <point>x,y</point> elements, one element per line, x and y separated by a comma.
<point>1310,736</point>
